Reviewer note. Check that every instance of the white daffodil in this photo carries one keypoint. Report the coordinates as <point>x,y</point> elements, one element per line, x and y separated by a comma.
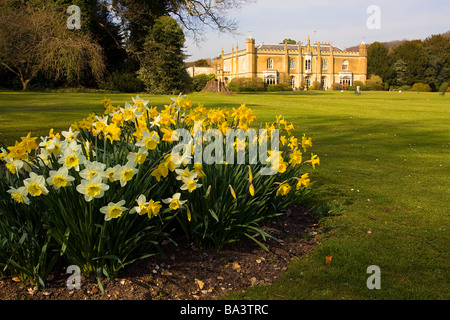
<point>130,112</point>
<point>72,159</point>
<point>93,168</point>
<point>138,157</point>
<point>93,188</point>
<point>174,202</point>
<point>156,121</point>
<point>19,195</point>
<point>113,210</point>
<point>190,183</point>
<point>149,140</point>
<point>111,171</point>
<point>139,102</point>
<point>101,123</point>
<point>125,173</point>
<point>14,165</point>
<point>70,135</point>
<point>35,185</point>
<point>60,178</point>
<point>142,205</point>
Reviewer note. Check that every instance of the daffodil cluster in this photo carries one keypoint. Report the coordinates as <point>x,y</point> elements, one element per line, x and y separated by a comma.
<point>115,174</point>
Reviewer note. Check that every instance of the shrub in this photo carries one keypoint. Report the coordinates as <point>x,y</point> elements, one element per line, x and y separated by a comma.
<point>316,85</point>
<point>123,82</point>
<point>336,86</point>
<point>199,81</point>
<point>423,87</point>
<point>444,87</point>
<point>111,188</point>
<point>279,87</point>
<point>358,83</point>
<point>247,85</point>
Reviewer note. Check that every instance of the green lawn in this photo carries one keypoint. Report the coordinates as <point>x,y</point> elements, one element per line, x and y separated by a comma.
<point>385,157</point>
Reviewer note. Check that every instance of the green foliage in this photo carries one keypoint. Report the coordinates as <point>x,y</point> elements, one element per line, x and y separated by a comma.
<point>201,63</point>
<point>162,67</point>
<point>247,84</point>
<point>443,87</point>
<point>316,85</point>
<point>279,87</point>
<point>423,87</point>
<point>122,82</point>
<point>379,61</point>
<point>288,41</point>
<point>199,81</point>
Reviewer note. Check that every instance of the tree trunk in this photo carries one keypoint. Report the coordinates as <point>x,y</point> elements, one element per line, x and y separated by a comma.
<point>24,83</point>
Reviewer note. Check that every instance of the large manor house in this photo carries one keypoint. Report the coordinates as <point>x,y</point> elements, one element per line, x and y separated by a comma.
<point>294,64</point>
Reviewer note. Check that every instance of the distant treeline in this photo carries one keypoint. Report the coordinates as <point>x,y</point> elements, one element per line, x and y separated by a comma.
<point>408,63</point>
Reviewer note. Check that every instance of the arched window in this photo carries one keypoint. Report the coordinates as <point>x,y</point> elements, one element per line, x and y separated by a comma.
<point>270,79</point>
<point>291,63</point>
<point>345,65</point>
<point>269,63</point>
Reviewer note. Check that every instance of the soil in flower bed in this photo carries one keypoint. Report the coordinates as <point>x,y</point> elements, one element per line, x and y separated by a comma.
<point>187,271</point>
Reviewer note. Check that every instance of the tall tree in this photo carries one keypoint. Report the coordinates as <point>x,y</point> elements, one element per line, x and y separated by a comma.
<point>162,67</point>
<point>379,62</point>
<point>35,38</point>
<point>413,54</point>
<point>438,68</point>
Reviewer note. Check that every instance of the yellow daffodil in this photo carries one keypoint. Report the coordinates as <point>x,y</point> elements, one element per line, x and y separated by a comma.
<point>283,189</point>
<point>303,180</point>
<point>18,151</point>
<point>306,142</point>
<point>174,202</point>
<point>295,158</point>
<point>314,160</point>
<point>153,208</point>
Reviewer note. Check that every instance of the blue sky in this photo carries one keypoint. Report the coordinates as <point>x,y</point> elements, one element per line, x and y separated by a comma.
<point>343,22</point>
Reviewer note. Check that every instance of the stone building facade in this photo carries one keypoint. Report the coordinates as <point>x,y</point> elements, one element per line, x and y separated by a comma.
<point>294,64</point>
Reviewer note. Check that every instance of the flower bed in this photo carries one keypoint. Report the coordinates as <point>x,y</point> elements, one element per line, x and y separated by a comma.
<point>114,186</point>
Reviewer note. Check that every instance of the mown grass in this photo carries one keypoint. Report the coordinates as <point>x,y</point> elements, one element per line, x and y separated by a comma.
<point>385,159</point>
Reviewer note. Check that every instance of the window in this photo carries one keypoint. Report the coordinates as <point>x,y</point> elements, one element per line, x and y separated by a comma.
<point>243,65</point>
<point>308,64</point>
<point>345,65</point>
<point>324,64</point>
<point>269,63</point>
<point>292,64</point>
<point>270,80</point>
<point>292,82</point>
